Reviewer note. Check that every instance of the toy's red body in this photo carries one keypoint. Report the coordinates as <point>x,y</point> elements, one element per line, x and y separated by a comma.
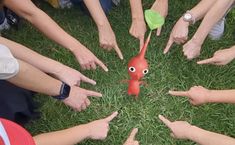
<point>137,68</point>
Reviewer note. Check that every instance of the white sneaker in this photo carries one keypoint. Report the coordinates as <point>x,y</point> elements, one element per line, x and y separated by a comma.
<point>218,30</point>
<point>116,2</point>
<point>4,25</point>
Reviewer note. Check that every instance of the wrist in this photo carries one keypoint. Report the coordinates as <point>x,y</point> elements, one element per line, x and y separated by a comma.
<point>64,92</point>
<point>138,16</point>
<point>184,22</point>
<point>87,130</point>
<point>196,40</point>
<point>194,133</point>
<point>233,50</point>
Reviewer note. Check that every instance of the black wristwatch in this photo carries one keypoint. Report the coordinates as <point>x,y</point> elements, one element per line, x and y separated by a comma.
<point>64,92</point>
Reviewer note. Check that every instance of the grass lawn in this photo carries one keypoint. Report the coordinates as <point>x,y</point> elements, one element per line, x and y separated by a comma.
<point>171,71</point>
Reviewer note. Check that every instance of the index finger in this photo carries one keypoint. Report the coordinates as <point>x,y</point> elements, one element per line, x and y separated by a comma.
<point>169,44</point>
<point>116,48</point>
<point>141,42</point>
<point>92,93</point>
<point>88,80</point>
<point>159,31</point>
<point>111,117</point>
<point>165,121</point>
<point>133,134</point>
<point>206,61</point>
<point>179,93</point>
<point>100,63</point>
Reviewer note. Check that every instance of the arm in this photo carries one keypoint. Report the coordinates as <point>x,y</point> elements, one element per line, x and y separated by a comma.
<point>160,6</point>
<point>199,95</point>
<point>204,137</point>
<point>69,136</point>
<point>27,10</point>
<point>138,26</point>
<point>64,73</point>
<point>216,12</point>
<point>183,130</point>
<point>33,79</point>
<point>179,33</point>
<point>97,130</point>
<point>200,10</point>
<point>107,37</point>
<point>221,57</point>
<point>221,96</point>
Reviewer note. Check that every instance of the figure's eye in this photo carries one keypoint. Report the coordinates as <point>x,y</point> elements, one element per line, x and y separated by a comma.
<point>131,69</point>
<point>145,71</point>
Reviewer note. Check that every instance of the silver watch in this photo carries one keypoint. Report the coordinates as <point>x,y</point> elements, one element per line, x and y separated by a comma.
<point>188,17</point>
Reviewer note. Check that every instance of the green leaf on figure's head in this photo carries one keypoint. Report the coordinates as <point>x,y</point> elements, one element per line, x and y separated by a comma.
<point>153,19</point>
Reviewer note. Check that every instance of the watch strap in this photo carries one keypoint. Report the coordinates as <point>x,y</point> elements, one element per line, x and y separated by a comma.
<point>64,92</point>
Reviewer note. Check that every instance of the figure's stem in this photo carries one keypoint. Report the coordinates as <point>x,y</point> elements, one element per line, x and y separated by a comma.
<point>143,50</point>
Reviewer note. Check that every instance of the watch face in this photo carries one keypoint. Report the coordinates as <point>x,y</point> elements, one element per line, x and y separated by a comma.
<point>187,16</point>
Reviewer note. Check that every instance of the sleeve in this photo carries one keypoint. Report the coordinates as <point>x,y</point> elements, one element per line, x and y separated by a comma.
<point>9,65</point>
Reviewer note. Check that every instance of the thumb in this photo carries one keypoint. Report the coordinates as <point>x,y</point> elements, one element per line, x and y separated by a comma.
<point>169,44</point>
<point>117,49</point>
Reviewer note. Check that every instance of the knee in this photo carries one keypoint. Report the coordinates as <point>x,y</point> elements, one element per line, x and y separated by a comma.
<point>9,65</point>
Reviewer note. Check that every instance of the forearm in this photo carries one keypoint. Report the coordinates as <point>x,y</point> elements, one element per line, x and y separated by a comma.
<point>204,137</point>
<point>23,53</point>
<point>27,10</point>
<point>69,136</point>
<point>202,8</point>
<point>137,10</point>
<point>33,79</point>
<point>211,18</point>
<point>97,12</point>
<point>222,96</point>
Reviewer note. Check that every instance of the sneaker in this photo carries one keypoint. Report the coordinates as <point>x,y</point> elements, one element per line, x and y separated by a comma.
<point>116,2</point>
<point>4,25</point>
<point>218,30</point>
<point>65,4</point>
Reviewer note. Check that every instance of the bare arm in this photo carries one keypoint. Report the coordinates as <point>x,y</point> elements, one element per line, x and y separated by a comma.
<point>33,79</point>
<point>184,130</point>
<point>97,130</point>
<point>27,10</point>
<point>62,72</point>
<point>199,95</point>
<point>179,33</point>
<point>138,26</point>
<point>25,54</point>
<point>213,16</point>
<point>222,96</point>
<point>200,10</point>
<point>204,137</point>
<point>69,136</point>
<point>136,9</point>
<point>107,37</point>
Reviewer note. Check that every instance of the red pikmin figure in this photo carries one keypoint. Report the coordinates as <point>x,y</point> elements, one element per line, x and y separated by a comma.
<point>137,68</point>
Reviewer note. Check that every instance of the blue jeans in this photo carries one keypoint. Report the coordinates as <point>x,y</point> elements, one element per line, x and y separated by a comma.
<point>2,16</point>
<point>106,5</point>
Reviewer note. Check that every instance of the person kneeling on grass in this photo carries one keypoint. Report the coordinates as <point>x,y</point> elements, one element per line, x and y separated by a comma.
<point>13,134</point>
<point>184,130</point>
